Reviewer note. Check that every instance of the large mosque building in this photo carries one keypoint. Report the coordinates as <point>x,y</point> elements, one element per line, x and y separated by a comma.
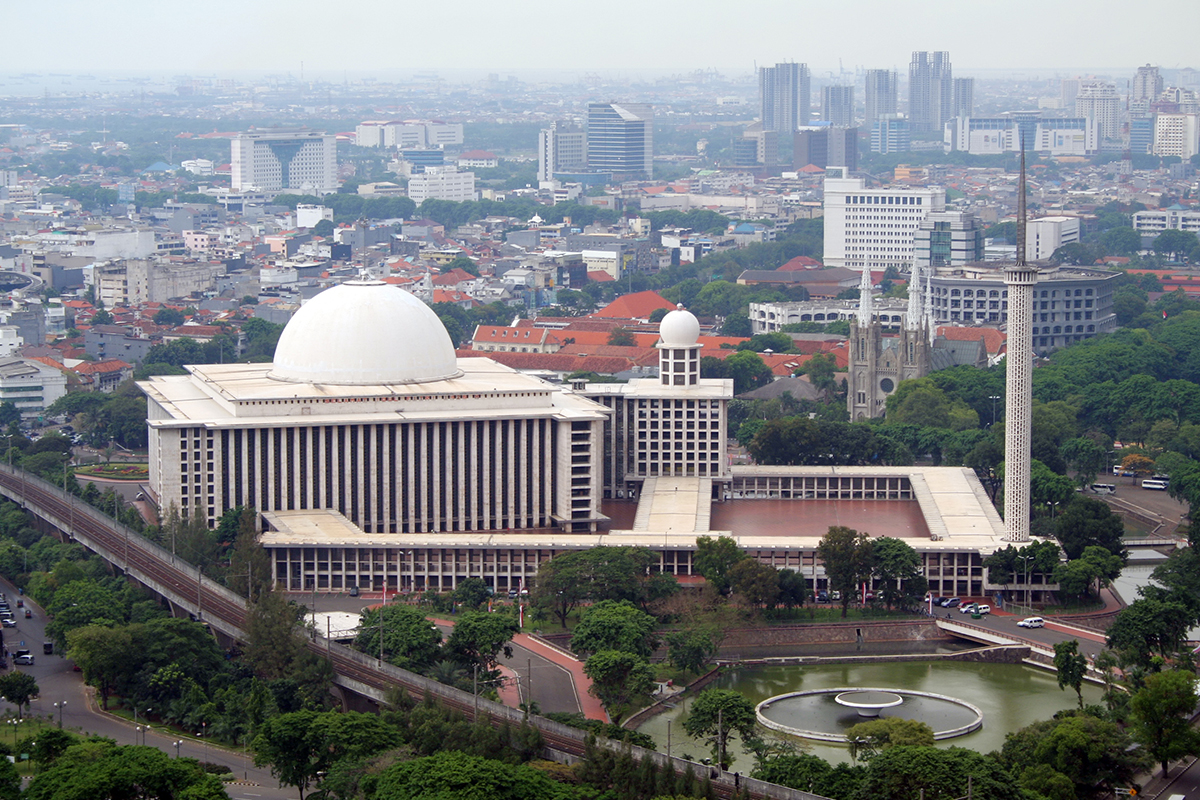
<point>375,458</point>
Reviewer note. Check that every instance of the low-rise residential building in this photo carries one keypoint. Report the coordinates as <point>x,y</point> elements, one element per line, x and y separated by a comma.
<point>29,385</point>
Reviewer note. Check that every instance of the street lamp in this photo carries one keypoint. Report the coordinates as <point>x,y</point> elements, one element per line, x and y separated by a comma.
<point>60,706</point>
<point>177,744</point>
<point>139,734</point>
<point>993,398</point>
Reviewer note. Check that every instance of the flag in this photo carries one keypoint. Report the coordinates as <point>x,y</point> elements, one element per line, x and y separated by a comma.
<point>1164,313</point>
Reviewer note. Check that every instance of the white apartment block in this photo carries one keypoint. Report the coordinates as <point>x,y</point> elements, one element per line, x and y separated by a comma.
<point>1161,219</point>
<point>1176,135</point>
<point>30,385</point>
<point>298,160</point>
<point>1099,102</point>
<point>397,133</point>
<point>1046,234</point>
<point>442,183</point>
<point>874,228</point>
<point>198,166</point>
<point>561,148</point>
<point>307,216</point>
<point>1078,136</point>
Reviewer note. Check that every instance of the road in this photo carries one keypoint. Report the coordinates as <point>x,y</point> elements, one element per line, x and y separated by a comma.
<point>552,686</point>
<point>60,684</point>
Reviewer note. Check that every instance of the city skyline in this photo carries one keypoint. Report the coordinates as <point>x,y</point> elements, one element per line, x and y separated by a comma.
<point>142,36</point>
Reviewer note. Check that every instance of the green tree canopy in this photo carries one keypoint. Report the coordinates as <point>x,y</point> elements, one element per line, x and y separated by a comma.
<point>615,625</point>
<point>620,680</point>
<point>848,556</point>
<point>716,715</point>
<point>410,641</point>
<point>1162,711</point>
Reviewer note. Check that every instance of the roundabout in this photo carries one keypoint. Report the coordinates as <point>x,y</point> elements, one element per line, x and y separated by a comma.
<point>825,714</point>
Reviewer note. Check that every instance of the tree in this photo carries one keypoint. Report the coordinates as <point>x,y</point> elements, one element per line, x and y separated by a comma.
<point>454,774</point>
<point>690,649</point>
<point>793,588</point>
<point>599,573</point>
<point>18,688</point>
<point>471,593</point>
<point>619,680</point>
<point>1148,627</point>
<point>1071,666</point>
<point>868,739</point>
<point>620,337</point>
<point>410,641</point>
<point>921,402</point>
<point>1085,457</point>
<point>717,714</point>
<point>1121,241</point>
<point>1173,242</point>
<point>479,638</point>
<point>169,317</point>
<point>612,625</point>
<point>747,371</point>
<point>324,227</point>
<point>715,558</point>
<point>283,742</point>
<point>272,643</point>
<point>249,564</point>
<point>101,768</point>
<point>904,772</point>
<point>1087,522</point>
<point>105,655</point>
<point>898,568</point>
<point>756,583</point>
<point>848,559</point>
<point>1162,711</point>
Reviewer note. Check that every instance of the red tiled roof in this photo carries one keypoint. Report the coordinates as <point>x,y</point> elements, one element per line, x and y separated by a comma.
<point>993,338</point>
<point>638,305</point>
<point>557,362</point>
<point>799,263</point>
<point>99,367</point>
<point>599,276</point>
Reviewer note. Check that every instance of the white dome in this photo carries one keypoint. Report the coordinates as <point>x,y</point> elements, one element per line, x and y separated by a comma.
<point>364,332</point>
<point>679,328</point>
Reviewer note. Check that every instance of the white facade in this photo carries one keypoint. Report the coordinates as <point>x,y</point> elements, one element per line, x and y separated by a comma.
<point>874,228</point>
<point>198,166</point>
<point>10,341</point>
<point>395,133</point>
<point>29,385</point>
<point>673,425</point>
<point>561,148</point>
<point>948,238</point>
<point>367,413</point>
<point>300,161</point>
<point>1099,102</point>
<point>1046,234</point>
<point>442,183</point>
<point>1176,135</point>
<point>308,216</point>
<point>1160,219</point>
<point>990,136</point>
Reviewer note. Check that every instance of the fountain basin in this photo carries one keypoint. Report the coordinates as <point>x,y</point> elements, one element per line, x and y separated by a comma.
<point>819,714</point>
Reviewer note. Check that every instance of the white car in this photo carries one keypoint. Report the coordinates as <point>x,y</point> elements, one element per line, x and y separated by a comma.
<point>976,608</point>
<point>1032,622</point>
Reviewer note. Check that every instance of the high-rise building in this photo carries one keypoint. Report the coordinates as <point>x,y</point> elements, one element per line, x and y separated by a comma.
<point>825,146</point>
<point>1141,135</point>
<point>1146,87</point>
<point>890,134</point>
<point>948,239</point>
<point>276,160</point>
<point>442,183</point>
<point>930,91</point>
<point>873,229</point>
<point>964,97</point>
<point>784,95</point>
<point>561,148</point>
<point>882,91</point>
<point>756,148</point>
<point>620,138</point>
<point>1176,135</point>
<point>1099,101</point>
<point>1068,91</point>
<point>837,106</point>
<point>1046,234</point>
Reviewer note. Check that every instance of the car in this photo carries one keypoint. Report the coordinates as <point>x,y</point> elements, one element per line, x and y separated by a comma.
<point>1032,622</point>
<point>983,608</point>
<point>26,659</point>
<point>835,596</point>
<point>8,622</point>
<point>822,596</point>
<point>20,603</point>
<point>28,614</point>
<point>952,602</point>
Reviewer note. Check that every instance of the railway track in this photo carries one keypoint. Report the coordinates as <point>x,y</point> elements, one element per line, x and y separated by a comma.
<point>183,586</point>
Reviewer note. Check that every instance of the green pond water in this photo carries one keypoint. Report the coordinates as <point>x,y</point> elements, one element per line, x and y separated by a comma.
<point>1009,695</point>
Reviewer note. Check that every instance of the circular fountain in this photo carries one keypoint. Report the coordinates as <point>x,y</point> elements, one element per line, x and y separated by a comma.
<point>825,714</point>
<point>868,703</point>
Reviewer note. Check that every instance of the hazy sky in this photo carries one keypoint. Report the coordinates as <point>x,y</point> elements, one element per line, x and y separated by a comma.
<point>607,36</point>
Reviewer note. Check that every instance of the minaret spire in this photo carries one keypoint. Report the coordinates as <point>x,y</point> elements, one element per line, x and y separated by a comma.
<point>1020,279</point>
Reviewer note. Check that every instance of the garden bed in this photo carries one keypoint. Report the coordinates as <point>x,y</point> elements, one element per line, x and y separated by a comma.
<point>116,472</point>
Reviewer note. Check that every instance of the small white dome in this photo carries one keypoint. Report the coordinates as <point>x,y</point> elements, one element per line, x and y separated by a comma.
<point>679,328</point>
<point>361,333</point>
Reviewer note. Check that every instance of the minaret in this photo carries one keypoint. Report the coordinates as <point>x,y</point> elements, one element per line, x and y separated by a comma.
<point>1020,279</point>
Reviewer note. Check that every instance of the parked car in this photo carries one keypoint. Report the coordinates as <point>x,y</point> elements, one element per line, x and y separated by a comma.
<point>1032,622</point>
<point>822,596</point>
<point>8,622</point>
<point>26,659</point>
<point>952,602</point>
